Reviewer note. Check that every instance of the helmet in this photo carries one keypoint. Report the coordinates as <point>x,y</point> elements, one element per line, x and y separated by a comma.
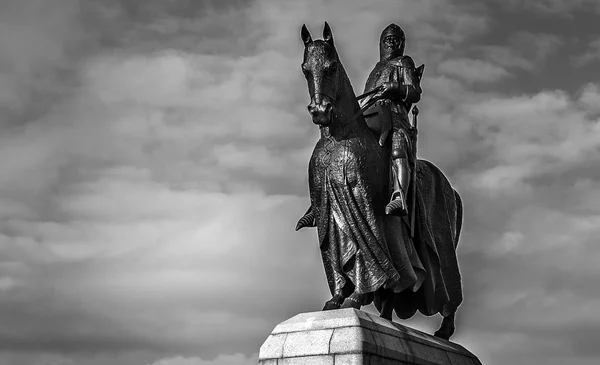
<point>391,42</point>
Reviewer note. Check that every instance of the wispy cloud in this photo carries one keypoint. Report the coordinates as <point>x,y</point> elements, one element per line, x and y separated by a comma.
<point>590,98</point>
<point>238,359</point>
<point>472,70</point>
<point>590,55</point>
<point>562,8</point>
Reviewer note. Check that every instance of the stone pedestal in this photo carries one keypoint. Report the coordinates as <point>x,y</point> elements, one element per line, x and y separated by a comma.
<point>353,337</point>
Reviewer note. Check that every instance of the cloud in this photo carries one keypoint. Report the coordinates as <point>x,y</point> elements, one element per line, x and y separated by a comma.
<point>34,53</point>
<point>591,55</point>
<point>590,98</point>
<point>238,359</point>
<point>525,51</point>
<point>531,136</point>
<point>536,46</point>
<point>530,223</point>
<point>125,259</point>
<point>472,70</point>
<point>553,7</point>
<point>48,358</point>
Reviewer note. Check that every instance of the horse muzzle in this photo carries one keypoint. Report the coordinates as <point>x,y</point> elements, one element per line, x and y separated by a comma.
<point>321,113</point>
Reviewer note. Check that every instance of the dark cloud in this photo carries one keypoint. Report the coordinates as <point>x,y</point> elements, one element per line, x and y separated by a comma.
<point>590,55</point>
<point>561,8</point>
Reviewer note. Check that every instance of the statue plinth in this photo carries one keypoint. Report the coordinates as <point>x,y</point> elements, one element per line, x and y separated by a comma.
<point>350,336</point>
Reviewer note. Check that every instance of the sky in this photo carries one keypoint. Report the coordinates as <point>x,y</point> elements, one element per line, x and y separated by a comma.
<point>153,165</point>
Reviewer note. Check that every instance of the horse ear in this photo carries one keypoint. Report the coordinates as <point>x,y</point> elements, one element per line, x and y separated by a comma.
<point>420,70</point>
<point>306,38</point>
<point>327,35</point>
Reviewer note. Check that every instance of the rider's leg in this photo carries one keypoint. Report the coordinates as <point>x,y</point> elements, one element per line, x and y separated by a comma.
<point>401,166</point>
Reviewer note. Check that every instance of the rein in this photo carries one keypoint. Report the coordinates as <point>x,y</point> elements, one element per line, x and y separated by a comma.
<point>362,96</point>
<point>369,102</point>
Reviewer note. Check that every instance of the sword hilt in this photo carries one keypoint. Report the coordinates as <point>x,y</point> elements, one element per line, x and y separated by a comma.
<point>415,112</point>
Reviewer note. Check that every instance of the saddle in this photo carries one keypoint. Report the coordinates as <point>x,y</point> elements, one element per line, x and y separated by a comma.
<point>379,120</point>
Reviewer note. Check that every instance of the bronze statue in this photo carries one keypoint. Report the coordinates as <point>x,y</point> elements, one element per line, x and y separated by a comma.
<point>370,256</point>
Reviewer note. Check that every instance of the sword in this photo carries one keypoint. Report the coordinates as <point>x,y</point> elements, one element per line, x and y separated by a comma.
<point>415,112</point>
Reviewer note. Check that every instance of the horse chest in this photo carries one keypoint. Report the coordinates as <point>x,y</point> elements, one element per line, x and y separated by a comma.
<point>340,162</point>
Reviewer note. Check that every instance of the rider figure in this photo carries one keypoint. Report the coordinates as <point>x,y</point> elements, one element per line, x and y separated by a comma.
<point>395,73</point>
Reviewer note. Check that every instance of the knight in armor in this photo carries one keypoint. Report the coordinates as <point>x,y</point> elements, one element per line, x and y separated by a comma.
<point>395,74</point>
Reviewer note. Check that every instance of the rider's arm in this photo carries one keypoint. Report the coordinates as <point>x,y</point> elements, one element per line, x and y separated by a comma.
<point>409,90</point>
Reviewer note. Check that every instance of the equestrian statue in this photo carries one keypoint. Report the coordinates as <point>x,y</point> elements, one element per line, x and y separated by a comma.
<point>388,224</point>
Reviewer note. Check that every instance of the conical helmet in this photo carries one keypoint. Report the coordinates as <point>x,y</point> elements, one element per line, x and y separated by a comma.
<point>391,42</point>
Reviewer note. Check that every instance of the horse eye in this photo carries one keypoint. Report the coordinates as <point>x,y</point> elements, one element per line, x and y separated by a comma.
<point>333,67</point>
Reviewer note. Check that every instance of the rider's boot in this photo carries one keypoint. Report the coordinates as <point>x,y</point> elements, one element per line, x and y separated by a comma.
<point>397,205</point>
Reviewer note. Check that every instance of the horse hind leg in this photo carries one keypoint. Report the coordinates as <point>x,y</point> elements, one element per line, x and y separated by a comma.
<point>387,309</point>
<point>384,303</point>
<point>447,328</point>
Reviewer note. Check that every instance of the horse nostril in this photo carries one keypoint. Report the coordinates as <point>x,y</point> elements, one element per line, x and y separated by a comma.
<point>314,109</point>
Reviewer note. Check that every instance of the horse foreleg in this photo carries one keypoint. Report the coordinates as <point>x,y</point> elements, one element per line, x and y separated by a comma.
<point>335,302</point>
<point>357,300</point>
<point>447,328</point>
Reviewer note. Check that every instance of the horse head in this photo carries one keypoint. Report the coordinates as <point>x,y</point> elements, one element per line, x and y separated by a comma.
<point>322,69</point>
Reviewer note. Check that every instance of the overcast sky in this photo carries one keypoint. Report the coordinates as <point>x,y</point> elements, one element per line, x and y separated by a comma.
<point>153,165</point>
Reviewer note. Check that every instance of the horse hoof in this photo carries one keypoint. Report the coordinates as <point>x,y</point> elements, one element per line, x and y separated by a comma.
<point>387,316</point>
<point>444,333</point>
<point>352,302</point>
<point>331,305</point>
<point>334,303</point>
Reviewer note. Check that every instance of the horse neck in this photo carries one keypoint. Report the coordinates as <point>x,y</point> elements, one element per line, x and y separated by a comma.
<point>346,107</point>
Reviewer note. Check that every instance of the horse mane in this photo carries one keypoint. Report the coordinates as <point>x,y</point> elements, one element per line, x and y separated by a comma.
<point>347,96</point>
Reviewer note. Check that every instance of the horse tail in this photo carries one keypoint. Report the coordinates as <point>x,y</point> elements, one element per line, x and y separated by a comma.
<point>459,217</point>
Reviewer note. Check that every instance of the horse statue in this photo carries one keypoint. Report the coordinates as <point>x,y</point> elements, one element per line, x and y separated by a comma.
<point>368,256</point>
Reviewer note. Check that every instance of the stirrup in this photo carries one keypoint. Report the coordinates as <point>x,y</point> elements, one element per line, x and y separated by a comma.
<point>396,207</point>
